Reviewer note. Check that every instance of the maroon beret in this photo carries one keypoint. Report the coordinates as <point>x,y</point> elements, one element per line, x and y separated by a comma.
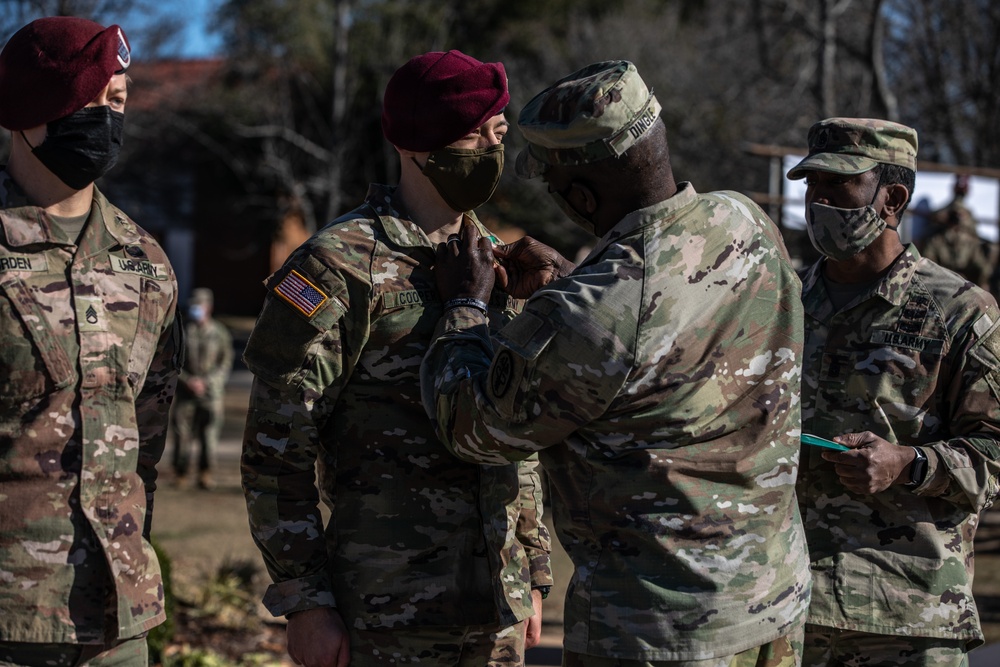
<point>438,98</point>
<point>55,66</point>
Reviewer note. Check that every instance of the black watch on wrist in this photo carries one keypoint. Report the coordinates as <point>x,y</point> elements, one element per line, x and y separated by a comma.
<point>918,469</point>
<point>544,590</point>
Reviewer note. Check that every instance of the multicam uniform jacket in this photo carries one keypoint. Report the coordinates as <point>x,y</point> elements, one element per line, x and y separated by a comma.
<point>415,537</point>
<point>955,244</point>
<point>917,362</point>
<point>660,383</point>
<point>88,365</point>
<point>209,356</point>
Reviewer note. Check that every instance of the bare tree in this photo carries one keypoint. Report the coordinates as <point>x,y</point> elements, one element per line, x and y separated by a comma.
<point>884,96</point>
<point>338,111</point>
<point>830,12</point>
<point>944,58</point>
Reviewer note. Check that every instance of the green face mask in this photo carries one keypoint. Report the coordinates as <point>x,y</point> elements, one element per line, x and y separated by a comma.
<point>465,178</point>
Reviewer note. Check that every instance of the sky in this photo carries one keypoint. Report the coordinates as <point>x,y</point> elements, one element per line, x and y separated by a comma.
<point>198,42</point>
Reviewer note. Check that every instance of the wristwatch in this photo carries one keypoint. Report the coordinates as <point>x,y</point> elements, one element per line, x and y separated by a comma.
<point>544,590</point>
<point>918,469</point>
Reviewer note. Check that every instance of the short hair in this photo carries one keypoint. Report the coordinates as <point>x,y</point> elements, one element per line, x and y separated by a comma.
<point>893,174</point>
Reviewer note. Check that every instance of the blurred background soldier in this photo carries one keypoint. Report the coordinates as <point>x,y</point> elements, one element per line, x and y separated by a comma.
<point>425,558</point>
<point>198,407</point>
<point>88,363</point>
<point>954,242</point>
<point>901,367</point>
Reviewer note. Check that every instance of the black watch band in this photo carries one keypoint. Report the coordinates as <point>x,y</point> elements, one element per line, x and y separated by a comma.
<point>918,469</point>
<point>544,590</point>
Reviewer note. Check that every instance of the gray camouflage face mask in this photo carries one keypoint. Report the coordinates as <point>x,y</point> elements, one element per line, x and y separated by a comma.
<point>841,233</point>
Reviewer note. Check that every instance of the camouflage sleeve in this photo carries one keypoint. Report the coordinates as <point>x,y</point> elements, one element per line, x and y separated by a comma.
<point>546,379</point>
<point>531,532</point>
<point>217,376</point>
<point>278,471</point>
<point>298,373</point>
<point>152,405</point>
<point>964,469</point>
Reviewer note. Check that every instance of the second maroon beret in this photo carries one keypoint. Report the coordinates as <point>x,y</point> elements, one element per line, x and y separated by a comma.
<point>437,98</point>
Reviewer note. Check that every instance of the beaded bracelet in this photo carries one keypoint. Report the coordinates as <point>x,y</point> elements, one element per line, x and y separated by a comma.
<point>467,301</point>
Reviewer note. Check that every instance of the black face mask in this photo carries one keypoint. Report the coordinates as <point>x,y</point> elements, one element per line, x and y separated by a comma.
<point>83,146</point>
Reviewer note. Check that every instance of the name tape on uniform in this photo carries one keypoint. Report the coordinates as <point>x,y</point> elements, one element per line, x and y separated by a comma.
<point>23,263</point>
<point>410,297</point>
<point>140,267</point>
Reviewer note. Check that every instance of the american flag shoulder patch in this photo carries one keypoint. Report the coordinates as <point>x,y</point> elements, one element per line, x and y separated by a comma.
<point>301,294</point>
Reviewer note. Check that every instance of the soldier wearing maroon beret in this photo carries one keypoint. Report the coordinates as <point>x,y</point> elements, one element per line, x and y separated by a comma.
<point>425,558</point>
<point>88,364</point>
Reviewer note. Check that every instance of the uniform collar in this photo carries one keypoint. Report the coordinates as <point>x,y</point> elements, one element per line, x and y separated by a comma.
<point>24,224</point>
<point>684,197</point>
<point>396,221</point>
<point>892,288</point>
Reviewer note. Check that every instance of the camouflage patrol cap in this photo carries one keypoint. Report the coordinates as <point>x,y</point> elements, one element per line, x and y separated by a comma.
<point>202,295</point>
<point>597,112</point>
<point>855,145</point>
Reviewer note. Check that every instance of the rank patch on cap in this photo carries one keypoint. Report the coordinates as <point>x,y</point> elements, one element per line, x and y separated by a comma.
<point>296,290</point>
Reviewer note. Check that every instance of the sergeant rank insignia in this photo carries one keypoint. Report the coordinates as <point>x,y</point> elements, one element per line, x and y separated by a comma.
<point>302,294</point>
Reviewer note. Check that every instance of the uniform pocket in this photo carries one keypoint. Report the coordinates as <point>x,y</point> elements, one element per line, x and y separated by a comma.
<point>155,297</point>
<point>877,586</point>
<point>32,363</point>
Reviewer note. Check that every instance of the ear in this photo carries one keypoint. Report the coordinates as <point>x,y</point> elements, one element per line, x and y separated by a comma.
<point>411,159</point>
<point>587,195</point>
<point>896,197</point>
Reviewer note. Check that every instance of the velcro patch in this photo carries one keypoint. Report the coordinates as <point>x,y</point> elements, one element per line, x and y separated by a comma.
<point>23,263</point>
<point>407,298</point>
<point>301,294</point>
<point>908,341</point>
<point>90,315</point>
<point>987,348</point>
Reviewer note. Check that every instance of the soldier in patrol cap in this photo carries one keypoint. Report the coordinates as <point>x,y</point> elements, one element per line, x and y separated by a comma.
<point>901,369</point>
<point>198,411</point>
<point>658,380</point>
<point>426,558</point>
<point>954,241</point>
<point>88,365</point>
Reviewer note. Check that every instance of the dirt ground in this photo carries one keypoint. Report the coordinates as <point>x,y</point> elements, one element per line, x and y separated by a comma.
<point>205,533</point>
